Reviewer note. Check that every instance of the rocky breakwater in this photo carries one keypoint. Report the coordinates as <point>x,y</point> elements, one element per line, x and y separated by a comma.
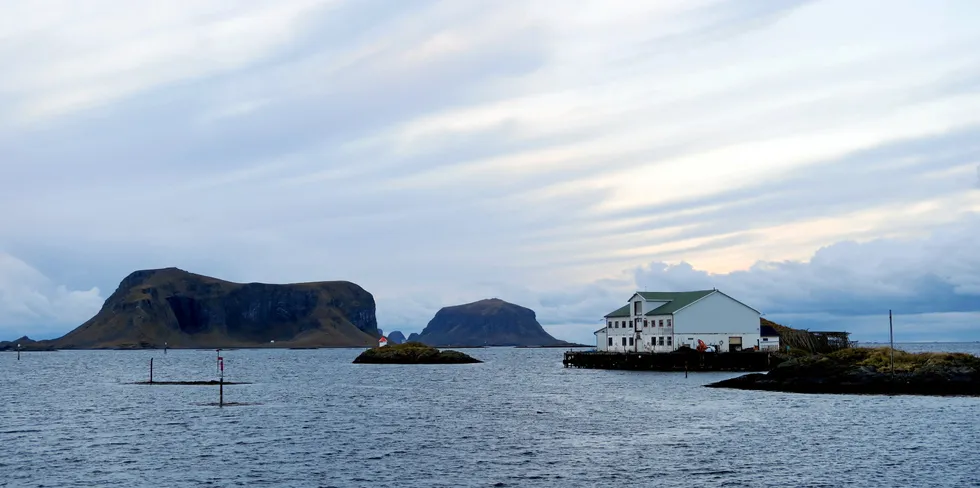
<point>172,307</point>
<point>412,353</point>
<point>869,371</point>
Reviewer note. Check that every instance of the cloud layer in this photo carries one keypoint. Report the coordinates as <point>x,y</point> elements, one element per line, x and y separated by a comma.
<point>437,152</point>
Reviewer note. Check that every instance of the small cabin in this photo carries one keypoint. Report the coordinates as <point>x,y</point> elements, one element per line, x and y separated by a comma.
<point>769,338</point>
<point>383,341</point>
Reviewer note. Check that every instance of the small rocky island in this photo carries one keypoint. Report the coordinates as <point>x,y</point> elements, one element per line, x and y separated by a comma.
<point>412,353</point>
<point>868,371</point>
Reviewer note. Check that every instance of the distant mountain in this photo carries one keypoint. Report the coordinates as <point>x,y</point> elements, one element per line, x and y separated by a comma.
<point>182,309</point>
<point>26,344</point>
<point>492,322</point>
<point>413,337</point>
<point>396,337</point>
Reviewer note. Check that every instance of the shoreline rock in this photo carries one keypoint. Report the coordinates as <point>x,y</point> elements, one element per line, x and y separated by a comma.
<point>866,371</point>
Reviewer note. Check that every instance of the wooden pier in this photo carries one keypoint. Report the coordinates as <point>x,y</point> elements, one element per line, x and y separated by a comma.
<point>752,361</point>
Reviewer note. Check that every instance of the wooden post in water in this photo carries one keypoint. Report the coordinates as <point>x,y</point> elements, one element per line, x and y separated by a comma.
<point>18,352</point>
<point>685,368</point>
<point>151,370</point>
<point>221,381</point>
<point>891,339</point>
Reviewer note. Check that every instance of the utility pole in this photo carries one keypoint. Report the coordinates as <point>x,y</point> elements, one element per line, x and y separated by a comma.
<point>891,340</point>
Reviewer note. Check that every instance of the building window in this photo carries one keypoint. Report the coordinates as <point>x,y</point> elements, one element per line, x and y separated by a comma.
<point>661,341</point>
<point>670,340</point>
<point>610,342</point>
<point>646,323</point>
<point>624,341</point>
<point>661,322</point>
<point>668,323</point>
<point>636,308</point>
<point>631,341</point>
<point>765,339</point>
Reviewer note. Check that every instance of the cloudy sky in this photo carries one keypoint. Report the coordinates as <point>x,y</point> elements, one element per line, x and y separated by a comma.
<point>819,160</point>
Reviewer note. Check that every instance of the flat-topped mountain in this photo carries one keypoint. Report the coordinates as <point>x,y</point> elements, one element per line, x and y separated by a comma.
<point>182,309</point>
<point>492,322</point>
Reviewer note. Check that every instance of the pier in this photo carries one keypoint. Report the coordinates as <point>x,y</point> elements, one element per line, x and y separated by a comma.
<point>751,361</point>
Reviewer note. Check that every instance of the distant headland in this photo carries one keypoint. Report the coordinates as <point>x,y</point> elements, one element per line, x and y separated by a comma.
<point>491,322</point>
<point>170,307</point>
<point>175,308</point>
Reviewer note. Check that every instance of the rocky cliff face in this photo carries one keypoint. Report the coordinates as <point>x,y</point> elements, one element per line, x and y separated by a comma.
<point>153,307</point>
<point>486,323</point>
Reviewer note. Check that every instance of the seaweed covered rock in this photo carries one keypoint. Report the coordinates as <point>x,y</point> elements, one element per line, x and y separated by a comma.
<point>412,353</point>
<point>869,371</point>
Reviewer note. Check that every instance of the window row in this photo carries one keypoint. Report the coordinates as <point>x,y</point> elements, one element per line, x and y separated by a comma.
<point>654,341</point>
<point>616,324</point>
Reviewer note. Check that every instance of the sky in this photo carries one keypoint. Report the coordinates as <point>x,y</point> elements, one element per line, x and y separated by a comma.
<point>818,160</point>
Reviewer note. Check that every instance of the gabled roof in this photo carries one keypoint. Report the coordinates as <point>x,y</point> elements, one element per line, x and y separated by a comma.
<point>675,300</point>
<point>600,330</point>
<point>623,311</point>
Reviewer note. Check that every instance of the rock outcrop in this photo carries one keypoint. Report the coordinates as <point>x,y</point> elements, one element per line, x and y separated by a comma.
<point>491,322</point>
<point>412,353</point>
<point>396,337</point>
<point>184,310</point>
<point>868,371</point>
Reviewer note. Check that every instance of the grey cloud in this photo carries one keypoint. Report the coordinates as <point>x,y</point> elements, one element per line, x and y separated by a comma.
<point>933,275</point>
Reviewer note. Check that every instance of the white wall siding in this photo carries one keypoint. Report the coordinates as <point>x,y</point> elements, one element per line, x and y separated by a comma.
<point>717,313</point>
<point>600,340</point>
<point>716,319</point>
<point>769,343</point>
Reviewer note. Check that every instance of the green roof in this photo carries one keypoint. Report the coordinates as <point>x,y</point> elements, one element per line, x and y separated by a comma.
<point>675,300</point>
<point>623,311</point>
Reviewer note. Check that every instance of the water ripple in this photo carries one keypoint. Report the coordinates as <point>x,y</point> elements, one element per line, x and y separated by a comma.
<point>312,419</point>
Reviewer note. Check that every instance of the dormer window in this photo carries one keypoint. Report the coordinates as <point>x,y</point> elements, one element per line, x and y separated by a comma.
<point>637,306</point>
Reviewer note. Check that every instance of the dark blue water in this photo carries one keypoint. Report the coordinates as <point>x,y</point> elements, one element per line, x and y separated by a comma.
<point>69,419</point>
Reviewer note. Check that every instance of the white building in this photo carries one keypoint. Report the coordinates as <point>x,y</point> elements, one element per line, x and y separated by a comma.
<point>665,321</point>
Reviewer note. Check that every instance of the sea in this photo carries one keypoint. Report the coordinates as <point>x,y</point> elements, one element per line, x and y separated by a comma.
<point>311,418</point>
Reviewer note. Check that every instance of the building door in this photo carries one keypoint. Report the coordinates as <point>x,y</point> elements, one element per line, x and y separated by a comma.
<point>734,344</point>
